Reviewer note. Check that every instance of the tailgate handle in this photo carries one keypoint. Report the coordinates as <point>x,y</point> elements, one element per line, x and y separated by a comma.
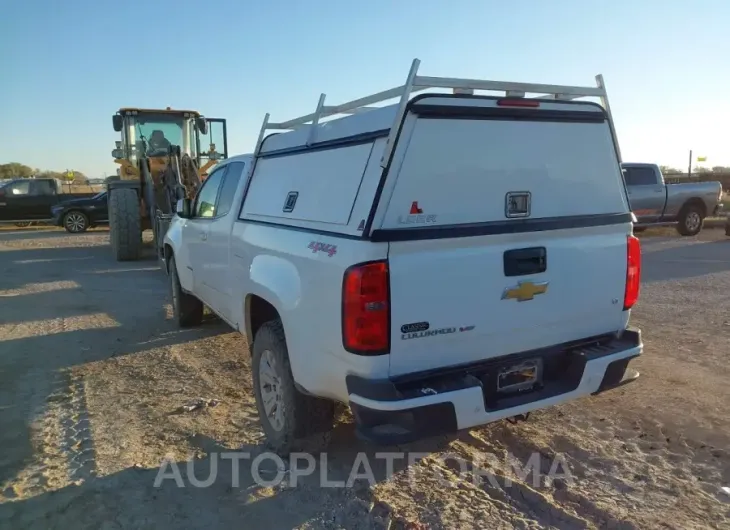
<point>523,261</point>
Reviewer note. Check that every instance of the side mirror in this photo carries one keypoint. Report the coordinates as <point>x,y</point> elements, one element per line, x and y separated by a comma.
<point>202,124</point>
<point>118,122</point>
<point>184,208</point>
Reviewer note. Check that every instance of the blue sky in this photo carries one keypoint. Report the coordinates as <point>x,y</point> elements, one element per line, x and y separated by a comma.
<point>69,65</point>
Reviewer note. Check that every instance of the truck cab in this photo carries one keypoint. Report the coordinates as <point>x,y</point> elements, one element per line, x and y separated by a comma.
<point>29,199</point>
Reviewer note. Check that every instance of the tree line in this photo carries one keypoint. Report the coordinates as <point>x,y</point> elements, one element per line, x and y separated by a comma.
<point>719,174</point>
<point>719,170</point>
<point>15,170</point>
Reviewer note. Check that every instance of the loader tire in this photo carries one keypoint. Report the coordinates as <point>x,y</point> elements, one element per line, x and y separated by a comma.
<point>125,224</point>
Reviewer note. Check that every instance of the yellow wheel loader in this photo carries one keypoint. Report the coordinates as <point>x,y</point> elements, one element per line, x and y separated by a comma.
<point>163,155</point>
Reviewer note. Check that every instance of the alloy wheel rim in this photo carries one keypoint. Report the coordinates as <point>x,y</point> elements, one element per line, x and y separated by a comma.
<point>693,221</point>
<point>75,222</point>
<point>272,396</point>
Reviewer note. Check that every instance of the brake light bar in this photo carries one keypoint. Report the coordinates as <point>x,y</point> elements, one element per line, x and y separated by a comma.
<point>366,308</point>
<point>633,272</point>
<point>518,102</point>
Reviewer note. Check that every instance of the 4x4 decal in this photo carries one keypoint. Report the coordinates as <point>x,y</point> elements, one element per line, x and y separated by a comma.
<point>318,246</point>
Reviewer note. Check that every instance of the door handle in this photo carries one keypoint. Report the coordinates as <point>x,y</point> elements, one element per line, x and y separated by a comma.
<point>204,235</point>
<point>523,261</point>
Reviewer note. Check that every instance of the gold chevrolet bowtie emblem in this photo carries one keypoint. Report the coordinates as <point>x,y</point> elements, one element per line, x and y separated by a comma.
<point>524,291</point>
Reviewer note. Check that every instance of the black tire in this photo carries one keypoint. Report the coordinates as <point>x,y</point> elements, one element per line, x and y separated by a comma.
<point>307,421</point>
<point>187,310</point>
<point>727,227</point>
<point>125,224</point>
<point>75,222</point>
<point>691,219</point>
<point>23,224</point>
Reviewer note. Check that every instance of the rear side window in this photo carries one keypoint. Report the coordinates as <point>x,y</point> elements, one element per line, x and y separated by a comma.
<point>230,183</point>
<point>21,187</point>
<point>640,176</point>
<point>43,187</point>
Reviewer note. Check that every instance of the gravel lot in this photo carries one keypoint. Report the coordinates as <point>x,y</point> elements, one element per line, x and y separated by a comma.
<point>93,374</point>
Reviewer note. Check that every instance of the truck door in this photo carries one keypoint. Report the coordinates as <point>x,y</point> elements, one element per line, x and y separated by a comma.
<point>217,270</point>
<point>647,194</point>
<point>197,231</point>
<point>43,196</point>
<point>16,201</point>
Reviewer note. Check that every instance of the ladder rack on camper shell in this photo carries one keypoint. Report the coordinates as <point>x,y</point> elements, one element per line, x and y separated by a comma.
<point>417,83</point>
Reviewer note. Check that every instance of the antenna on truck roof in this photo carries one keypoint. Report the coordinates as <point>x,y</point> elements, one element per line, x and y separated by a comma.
<point>416,83</point>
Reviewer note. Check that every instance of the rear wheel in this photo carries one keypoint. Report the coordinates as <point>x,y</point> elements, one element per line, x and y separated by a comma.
<point>290,419</point>
<point>187,309</point>
<point>22,224</point>
<point>125,224</point>
<point>690,221</point>
<point>75,222</point>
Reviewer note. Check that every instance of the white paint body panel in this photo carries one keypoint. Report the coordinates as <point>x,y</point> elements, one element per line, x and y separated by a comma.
<point>459,283</point>
<point>459,168</point>
<point>324,196</point>
<point>463,177</point>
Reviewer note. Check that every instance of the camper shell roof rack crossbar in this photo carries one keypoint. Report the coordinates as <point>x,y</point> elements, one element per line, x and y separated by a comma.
<point>415,83</point>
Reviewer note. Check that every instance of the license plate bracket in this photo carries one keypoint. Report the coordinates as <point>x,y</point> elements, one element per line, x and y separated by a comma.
<point>519,377</point>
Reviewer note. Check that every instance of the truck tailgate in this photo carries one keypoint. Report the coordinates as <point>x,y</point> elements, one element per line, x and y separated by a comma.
<point>451,302</point>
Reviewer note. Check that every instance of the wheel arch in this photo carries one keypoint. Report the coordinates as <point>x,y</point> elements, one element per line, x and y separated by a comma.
<point>275,281</point>
<point>257,311</point>
<point>694,201</point>
<point>167,253</point>
<point>74,209</point>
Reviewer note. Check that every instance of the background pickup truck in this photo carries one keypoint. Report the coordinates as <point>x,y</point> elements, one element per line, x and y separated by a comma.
<point>654,202</point>
<point>25,199</point>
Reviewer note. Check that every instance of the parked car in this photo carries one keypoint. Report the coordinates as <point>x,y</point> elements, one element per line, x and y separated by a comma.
<point>30,200</point>
<point>684,205</point>
<point>78,215</point>
<point>462,280</point>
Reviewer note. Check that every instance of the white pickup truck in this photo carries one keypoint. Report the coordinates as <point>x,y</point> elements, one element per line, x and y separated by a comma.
<point>434,264</point>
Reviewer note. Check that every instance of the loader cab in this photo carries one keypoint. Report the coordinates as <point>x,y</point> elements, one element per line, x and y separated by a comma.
<point>148,133</point>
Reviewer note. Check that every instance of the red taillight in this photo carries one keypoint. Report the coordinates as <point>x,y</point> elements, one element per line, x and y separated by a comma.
<point>633,272</point>
<point>518,103</point>
<point>366,309</point>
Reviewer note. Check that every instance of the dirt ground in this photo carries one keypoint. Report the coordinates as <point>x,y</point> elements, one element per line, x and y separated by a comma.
<point>93,375</point>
